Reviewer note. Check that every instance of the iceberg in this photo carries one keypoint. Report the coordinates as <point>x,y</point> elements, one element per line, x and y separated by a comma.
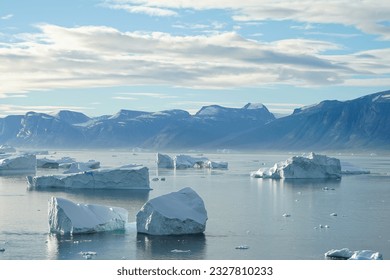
<point>181,212</point>
<point>67,217</point>
<point>185,161</point>
<point>121,178</point>
<point>47,163</point>
<point>346,254</point>
<point>216,164</point>
<point>350,169</point>
<point>18,164</point>
<point>77,167</point>
<point>312,166</point>
<point>164,161</point>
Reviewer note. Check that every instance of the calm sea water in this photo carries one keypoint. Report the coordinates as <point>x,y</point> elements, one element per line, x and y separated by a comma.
<point>241,210</point>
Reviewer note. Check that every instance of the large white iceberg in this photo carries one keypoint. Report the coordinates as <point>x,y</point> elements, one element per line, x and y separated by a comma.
<point>346,254</point>
<point>164,161</point>
<point>67,217</point>
<point>121,178</point>
<point>312,166</point>
<point>16,164</point>
<point>181,212</point>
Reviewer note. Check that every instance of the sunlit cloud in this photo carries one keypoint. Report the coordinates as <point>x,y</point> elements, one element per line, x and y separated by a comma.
<point>369,16</point>
<point>98,56</point>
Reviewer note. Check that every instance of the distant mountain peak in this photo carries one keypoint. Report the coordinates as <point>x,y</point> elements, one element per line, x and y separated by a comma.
<point>253,106</point>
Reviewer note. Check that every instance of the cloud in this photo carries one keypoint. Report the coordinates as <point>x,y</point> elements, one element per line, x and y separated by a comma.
<point>7,17</point>
<point>99,56</point>
<point>139,9</point>
<point>369,16</point>
<point>136,95</point>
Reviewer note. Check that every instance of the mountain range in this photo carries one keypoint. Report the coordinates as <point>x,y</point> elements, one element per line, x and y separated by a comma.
<point>362,123</point>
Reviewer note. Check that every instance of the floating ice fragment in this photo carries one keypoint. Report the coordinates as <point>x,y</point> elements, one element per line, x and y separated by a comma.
<point>347,254</point>
<point>242,247</point>
<point>180,251</point>
<point>155,179</point>
<point>334,214</point>
<point>2,249</point>
<point>286,215</point>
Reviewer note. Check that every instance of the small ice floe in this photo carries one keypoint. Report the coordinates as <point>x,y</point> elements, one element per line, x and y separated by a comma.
<point>346,254</point>
<point>177,251</point>
<point>88,255</point>
<point>155,179</point>
<point>326,226</point>
<point>333,214</point>
<point>286,215</point>
<point>242,247</point>
<point>2,249</point>
<point>162,179</point>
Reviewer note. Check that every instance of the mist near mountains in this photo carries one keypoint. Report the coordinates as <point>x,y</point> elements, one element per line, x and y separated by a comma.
<point>362,123</point>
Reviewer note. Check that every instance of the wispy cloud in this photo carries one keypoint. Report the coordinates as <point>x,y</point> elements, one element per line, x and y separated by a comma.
<point>138,9</point>
<point>369,16</point>
<point>102,56</point>
<point>7,17</point>
<point>146,94</point>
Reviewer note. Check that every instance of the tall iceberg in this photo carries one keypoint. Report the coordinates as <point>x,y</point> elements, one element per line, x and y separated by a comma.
<point>312,166</point>
<point>121,178</point>
<point>67,217</point>
<point>181,212</point>
<point>164,161</point>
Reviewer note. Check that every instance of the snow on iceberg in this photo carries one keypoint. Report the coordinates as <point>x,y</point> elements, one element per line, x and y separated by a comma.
<point>164,161</point>
<point>121,178</point>
<point>18,164</point>
<point>346,254</point>
<point>67,217</point>
<point>181,212</point>
<point>312,166</point>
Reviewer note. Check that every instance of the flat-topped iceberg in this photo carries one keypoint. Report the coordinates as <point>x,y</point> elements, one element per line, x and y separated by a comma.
<point>18,164</point>
<point>346,254</point>
<point>176,213</point>
<point>121,178</point>
<point>312,166</point>
<point>63,162</point>
<point>67,217</point>
<point>164,161</point>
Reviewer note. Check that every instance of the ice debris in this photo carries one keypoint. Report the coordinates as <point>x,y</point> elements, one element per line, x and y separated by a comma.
<point>121,178</point>
<point>67,217</point>
<point>346,254</point>
<point>242,247</point>
<point>310,166</point>
<point>181,212</point>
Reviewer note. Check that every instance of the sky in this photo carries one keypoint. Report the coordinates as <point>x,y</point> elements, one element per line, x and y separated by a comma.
<point>100,56</point>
